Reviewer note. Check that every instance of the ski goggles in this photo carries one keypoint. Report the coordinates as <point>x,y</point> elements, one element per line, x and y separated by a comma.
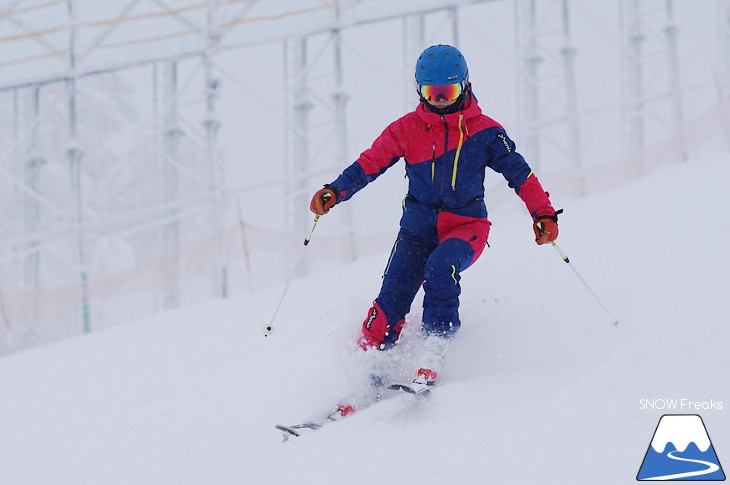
<point>449,92</point>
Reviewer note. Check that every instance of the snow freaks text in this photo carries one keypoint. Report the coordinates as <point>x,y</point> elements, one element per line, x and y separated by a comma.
<point>679,405</point>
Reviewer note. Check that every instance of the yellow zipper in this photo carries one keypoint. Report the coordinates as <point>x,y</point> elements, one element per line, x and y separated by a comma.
<point>458,152</point>
<point>433,162</point>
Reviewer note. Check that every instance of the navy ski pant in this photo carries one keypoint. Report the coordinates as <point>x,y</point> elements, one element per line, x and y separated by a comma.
<point>436,261</point>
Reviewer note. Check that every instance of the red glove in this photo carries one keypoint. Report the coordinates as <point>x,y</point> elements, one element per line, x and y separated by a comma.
<point>322,201</point>
<point>546,228</point>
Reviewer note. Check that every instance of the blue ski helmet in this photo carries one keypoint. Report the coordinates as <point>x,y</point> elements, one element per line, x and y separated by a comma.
<point>441,64</point>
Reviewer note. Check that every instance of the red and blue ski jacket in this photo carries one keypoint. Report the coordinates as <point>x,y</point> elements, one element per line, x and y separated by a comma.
<point>446,158</point>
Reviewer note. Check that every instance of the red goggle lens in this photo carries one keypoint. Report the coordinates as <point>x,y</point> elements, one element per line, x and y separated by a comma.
<point>449,92</point>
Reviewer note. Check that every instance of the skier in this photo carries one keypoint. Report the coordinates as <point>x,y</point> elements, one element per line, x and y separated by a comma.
<point>447,144</point>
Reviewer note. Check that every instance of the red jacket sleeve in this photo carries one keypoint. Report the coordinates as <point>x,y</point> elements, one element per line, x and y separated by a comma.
<point>535,197</point>
<point>385,151</point>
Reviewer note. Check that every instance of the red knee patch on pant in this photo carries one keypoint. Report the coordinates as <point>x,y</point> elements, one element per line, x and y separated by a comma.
<point>473,230</point>
<point>375,328</point>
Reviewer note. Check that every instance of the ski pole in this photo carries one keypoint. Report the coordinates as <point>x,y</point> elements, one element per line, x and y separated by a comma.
<point>269,329</point>
<point>567,260</point>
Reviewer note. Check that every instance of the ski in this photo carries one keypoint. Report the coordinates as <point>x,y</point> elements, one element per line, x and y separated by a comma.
<point>297,429</point>
<point>414,388</point>
<point>420,386</point>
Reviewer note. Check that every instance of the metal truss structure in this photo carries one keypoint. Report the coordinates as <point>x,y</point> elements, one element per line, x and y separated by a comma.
<point>723,28</point>
<point>531,49</point>
<point>45,43</point>
<point>634,111</point>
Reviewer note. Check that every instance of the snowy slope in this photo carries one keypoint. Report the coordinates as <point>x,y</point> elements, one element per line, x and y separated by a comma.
<point>540,387</point>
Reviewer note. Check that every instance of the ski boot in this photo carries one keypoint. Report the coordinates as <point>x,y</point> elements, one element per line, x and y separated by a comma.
<point>341,412</point>
<point>425,379</point>
<point>420,386</point>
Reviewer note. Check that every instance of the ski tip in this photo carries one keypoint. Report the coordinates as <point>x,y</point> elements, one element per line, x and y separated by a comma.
<point>409,389</point>
<point>287,430</point>
<point>401,387</point>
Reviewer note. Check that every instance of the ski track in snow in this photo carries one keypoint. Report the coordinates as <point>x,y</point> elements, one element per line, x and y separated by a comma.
<point>711,468</point>
<point>537,372</point>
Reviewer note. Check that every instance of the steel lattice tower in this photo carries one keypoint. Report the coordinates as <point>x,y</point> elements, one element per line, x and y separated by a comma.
<point>632,92</point>
<point>414,39</point>
<point>529,60</point>
<point>671,31</point>
<point>530,42</point>
<point>723,28</point>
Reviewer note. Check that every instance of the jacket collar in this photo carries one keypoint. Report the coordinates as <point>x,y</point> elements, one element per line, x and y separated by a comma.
<point>471,110</point>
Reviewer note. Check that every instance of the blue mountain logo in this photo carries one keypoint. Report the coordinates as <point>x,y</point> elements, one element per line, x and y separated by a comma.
<point>681,450</point>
